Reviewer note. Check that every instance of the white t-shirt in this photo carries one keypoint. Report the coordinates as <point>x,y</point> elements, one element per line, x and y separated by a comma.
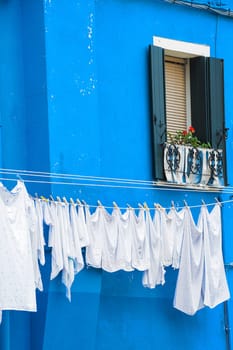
<point>95,229</point>
<point>110,241</point>
<point>140,241</point>
<point>124,243</point>
<point>17,279</point>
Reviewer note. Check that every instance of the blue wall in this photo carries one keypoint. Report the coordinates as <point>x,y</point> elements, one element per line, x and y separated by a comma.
<point>75,99</point>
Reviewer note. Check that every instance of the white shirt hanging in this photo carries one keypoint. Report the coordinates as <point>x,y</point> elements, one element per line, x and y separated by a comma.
<point>81,227</point>
<point>52,219</point>
<point>110,242</point>
<point>17,279</point>
<point>175,235</point>
<point>188,296</point>
<point>78,257</point>
<point>67,245</point>
<point>215,286</point>
<point>95,229</point>
<point>140,241</point>
<point>124,244</point>
<point>155,274</point>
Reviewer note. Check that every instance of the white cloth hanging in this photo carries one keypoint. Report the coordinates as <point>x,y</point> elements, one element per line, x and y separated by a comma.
<point>175,235</point>
<point>155,273</point>
<point>68,252</point>
<point>95,229</point>
<point>215,288</point>
<point>82,227</point>
<point>140,241</point>
<point>52,219</point>
<point>110,242</point>
<point>124,245</point>
<point>17,278</point>
<point>188,296</point>
<point>78,257</point>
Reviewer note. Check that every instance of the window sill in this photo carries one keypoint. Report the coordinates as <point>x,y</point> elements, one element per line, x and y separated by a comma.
<point>189,187</point>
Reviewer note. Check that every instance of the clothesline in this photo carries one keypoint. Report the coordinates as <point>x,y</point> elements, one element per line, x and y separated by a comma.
<point>112,241</point>
<point>108,182</point>
<point>144,206</point>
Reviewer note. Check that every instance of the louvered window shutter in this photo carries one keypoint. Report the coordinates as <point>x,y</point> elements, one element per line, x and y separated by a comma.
<point>207,102</point>
<point>175,84</point>
<point>158,108</point>
<point>216,107</point>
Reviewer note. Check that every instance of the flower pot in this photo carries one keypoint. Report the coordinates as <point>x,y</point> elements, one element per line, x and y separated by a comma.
<point>188,165</point>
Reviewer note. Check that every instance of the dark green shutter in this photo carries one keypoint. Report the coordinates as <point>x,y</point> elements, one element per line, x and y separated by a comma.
<point>216,106</point>
<point>158,108</point>
<point>207,101</point>
<point>200,98</point>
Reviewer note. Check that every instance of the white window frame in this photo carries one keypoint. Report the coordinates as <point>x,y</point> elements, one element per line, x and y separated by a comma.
<point>176,48</point>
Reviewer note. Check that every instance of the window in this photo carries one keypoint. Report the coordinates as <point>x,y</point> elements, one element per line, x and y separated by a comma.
<point>177,94</point>
<point>203,95</point>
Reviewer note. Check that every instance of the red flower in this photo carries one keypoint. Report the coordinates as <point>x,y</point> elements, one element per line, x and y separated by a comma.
<point>191,129</point>
<point>184,132</point>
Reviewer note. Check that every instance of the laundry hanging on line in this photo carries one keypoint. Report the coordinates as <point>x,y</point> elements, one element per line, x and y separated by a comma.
<point>117,241</point>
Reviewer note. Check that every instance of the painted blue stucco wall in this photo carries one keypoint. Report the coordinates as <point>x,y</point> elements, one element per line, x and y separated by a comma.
<point>75,99</point>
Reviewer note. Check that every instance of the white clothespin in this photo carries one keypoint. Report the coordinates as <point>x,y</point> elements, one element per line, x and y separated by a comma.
<point>100,204</point>
<point>219,203</point>
<point>146,206</point>
<point>64,200</point>
<point>115,205</point>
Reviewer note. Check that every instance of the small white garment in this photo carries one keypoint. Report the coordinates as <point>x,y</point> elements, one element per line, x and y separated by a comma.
<point>40,230</point>
<point>110,241</point>
<point>95,229</point>
<point>81,227</point>
<point>188,294</point>
<point>176,235</point>
<point>67,244</point>
<point>36,244</point>
<point>17,279</point>
<point>155,274</point>
<point>140,241</point>
<point>215,283</point>
<point>78,257</point>
<point>167,237</point>
<point>124,244</point>
<point>54,240</point>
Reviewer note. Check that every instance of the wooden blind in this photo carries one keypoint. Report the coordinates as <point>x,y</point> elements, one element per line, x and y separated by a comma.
<point>175,86</point>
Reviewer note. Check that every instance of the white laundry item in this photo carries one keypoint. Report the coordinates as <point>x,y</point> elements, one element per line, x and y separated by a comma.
<point>155,274</point>
<point>52,219</point>
<point>124,244</point>
<point>40,230</point>
<point>110,241</point>
<point>81,227</point>
<point>37,249</point>
<point>67,245</point>
<point>95,229</point>
<point>215,283</point>
<point>188,294</point>
<point>78,257</point>
<point>167,237</point>
<point>176,234</point>
<point>140,241</point>
<point>17,280</point>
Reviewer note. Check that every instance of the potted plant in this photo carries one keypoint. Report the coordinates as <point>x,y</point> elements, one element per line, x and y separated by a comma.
<point>187,160</point>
